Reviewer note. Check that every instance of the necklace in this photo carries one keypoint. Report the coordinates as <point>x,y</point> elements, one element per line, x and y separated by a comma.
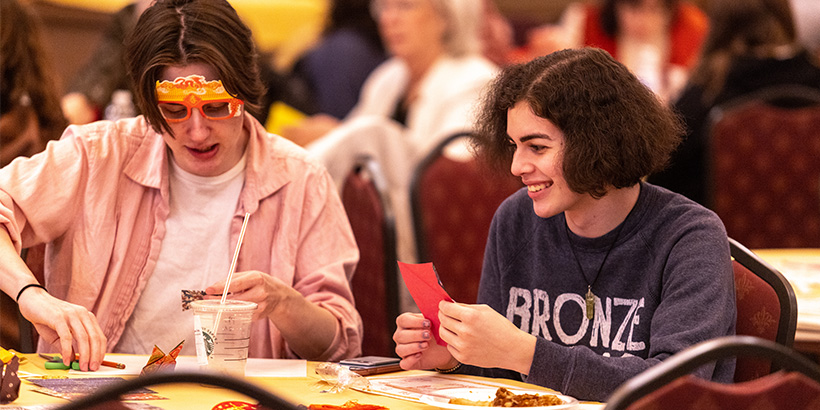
<point>590,297</point>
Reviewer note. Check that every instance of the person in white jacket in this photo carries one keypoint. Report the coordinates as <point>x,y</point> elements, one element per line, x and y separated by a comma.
<point>425,92</point>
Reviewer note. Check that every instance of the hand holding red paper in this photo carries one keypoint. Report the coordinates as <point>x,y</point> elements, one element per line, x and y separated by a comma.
<point>415,332</point>
<point>480,336</point>
<point>417,347</point>
<point>473,334</point>
<point>423,283</point>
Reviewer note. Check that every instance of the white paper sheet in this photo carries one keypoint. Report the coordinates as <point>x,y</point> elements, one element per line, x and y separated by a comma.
<point>254,368</point>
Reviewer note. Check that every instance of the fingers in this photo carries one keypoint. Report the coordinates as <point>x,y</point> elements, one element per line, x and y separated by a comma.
<point>240,282</point>
<point>411,321</point>
<point>92,352</point>
<point>72,328</point>
<point>415,343</point>
<point>82,336</point>
<point>411,362</point>
<point>412,336</point>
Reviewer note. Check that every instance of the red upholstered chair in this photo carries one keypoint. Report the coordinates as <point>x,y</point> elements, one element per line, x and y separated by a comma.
<point>766,307</point>
<point>765,167</point>
<point>670,386</point>
<point>375,281</point>
<point>453,200</point>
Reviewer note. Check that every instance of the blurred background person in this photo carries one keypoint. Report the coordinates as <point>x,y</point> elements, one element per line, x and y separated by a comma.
<point>30,112</point>
<point>91,91</point>
<point>434,75</point>
<point>751,45</point>
<point>807,21</point>
<point>497,35</point>
<point>335,69</point>
<point>659,40</point>
<point>423,93</point>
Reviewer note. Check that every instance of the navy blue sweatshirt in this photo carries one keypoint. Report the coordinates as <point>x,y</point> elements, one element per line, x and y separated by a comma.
<point>666,285</point>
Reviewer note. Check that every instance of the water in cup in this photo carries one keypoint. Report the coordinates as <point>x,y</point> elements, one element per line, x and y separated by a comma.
<point>223,348</point>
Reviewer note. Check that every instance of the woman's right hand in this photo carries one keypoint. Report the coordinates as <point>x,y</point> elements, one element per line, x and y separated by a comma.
<point>71,328</point>
<point>416,345</point>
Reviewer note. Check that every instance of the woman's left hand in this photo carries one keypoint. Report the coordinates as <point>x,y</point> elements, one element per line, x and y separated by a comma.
<point>480,336</point>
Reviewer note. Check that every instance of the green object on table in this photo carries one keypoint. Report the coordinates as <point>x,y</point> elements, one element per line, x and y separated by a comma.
<point>56,365</point>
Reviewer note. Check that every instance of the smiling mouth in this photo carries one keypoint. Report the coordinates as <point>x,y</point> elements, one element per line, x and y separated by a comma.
<point>537,187</point>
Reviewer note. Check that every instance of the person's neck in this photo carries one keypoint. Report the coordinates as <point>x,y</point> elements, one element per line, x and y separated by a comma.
<point>419,65</point>
<point>596,217</point>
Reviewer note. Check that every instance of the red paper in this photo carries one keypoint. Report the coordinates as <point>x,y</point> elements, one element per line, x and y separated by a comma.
<point>423,283</point>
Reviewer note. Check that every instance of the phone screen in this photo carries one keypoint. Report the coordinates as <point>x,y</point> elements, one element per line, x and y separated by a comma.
<point>370,361</point>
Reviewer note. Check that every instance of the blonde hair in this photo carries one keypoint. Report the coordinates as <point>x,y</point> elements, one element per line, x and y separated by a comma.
<point>463,19</point>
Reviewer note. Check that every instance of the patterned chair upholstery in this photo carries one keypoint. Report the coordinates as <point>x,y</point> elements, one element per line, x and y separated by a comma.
<point>670,386</point>
<point>453,200</point>
<point>375,281</point>
<point>765,168</point>
<point>766,307</point>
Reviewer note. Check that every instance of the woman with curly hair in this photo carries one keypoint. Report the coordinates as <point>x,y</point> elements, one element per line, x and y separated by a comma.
<point>590,275</point>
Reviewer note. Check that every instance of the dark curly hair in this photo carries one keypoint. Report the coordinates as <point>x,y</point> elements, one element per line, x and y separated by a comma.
<point>181,32</point>
<point>617,131</point>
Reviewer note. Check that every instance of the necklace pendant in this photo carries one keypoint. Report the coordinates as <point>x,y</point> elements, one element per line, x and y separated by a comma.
<point>590,299</point>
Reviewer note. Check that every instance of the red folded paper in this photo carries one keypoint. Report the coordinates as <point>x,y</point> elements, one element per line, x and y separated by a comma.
<point>424,285</point>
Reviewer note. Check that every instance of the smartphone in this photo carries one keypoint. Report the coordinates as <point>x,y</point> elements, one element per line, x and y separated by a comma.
<point>369,365</point>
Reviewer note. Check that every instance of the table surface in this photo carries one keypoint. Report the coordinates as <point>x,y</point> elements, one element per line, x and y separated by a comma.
<point>801,267</point>
<point>298,390</point>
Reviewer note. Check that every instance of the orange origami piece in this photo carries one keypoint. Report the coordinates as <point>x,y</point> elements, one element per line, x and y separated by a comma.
<point>236,405</point>
<point>161,361</point>
<point>349,405</point>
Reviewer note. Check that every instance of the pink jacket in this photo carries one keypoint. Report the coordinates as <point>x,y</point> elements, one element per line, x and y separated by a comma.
<point>99,197</point>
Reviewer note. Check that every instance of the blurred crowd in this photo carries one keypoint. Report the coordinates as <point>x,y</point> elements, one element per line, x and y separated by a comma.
<point>330,83</point>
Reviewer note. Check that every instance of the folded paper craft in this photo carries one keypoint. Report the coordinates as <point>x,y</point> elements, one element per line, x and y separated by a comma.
<point>189,296</point>
<point>10,387</point>
<point>425,287</point>
<point>161,361</point>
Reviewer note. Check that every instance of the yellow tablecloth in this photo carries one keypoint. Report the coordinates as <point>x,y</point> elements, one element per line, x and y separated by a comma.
<point>801,267</point>
<point>284,27</point>
<point>298,390</point>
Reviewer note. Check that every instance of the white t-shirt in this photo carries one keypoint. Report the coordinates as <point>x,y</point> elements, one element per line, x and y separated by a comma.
<point>195,253</point>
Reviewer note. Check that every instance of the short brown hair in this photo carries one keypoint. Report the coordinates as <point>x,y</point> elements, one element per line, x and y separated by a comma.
<point>181,32</point>
<point>617,130</point>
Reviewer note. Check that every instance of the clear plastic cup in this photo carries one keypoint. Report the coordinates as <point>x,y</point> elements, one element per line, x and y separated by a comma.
<point>223,347</point>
